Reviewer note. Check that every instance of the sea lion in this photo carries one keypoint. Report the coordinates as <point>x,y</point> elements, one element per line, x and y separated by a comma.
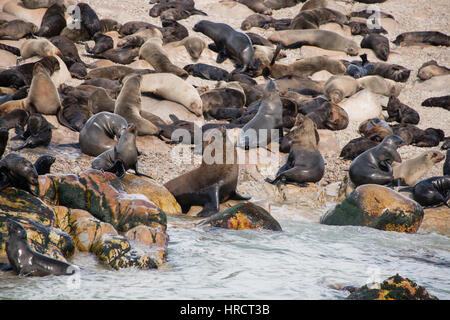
<point>313,4</point>
<point>18,172</point>
<point>153,52</point>
<point>120,55</point>
<point>429,137</point>
<point>304,163</point>
<point>318,110</point>
<point>112,85</point>
<point>194,46</point>
<point>259,40</point>
<point>230,43</point>
<point>89,19</point>
<point>355,147</point>
<point>16,118</point>
<point>400,112</point>
<point>410,171</point>
<point>36,4</point>
<point>167,130</point>
<point>211,183</point>
<point>361,28</point>
<point>103,42</point>
<point>107,25</point>
<point>115,72</point>
<point>432,69</point>
<point>17,29</point>
<point>312,19</point>
<point>131,27</point>
<point>257,20</point>
<point>73,115</point>
<point>139,38</point>
<point>229,96</point>
<point>443,102</point>
<point>69,51</point>
<point>163,84</point>
<point>338,118</point>
<point>320,38</point>
<point>38,133</point>
<point>390,71</point>
<point>173,31</point>
<point>433,38</point>
<point>78,70</point>
<point>431,192</point>
<point>43,164</point>
<point>446,167</point>
<point>375,129</point>
<point>269,117</point>
<point>43,96</point>
<point>257,6</point>
<point>100,101</point>
<point>378,43</point>
<point>338,87</point>
<point>380,85</point>
<point>53,22</point>
<point>374,165</point>
<point>177,9</point>
<point>97,135</point>
<point>123,156</point>
<point>128,105</point>
<point>75,34</point>
<point>206,71</point>
<point>369,13</point>
<point>38,47</point>
<point>25,261</point>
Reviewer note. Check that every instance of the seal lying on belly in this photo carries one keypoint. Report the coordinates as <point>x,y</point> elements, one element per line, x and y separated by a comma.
<point>374,165</point>
<point>211,183</point>
<point>25,261</point>
<point>431,192</point>
<point>18,172</point>
<point>230,43</point>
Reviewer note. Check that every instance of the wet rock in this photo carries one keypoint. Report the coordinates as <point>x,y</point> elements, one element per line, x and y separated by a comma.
<point>437,220</point>
<point>152,241</point>
<point>154,191</point>
<point>242,216</point>
<point>376,207</point>
<point>393,288</point>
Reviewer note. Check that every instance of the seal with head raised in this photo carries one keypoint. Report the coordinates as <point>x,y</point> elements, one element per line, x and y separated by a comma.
<point>230,43</point>
<point>38,133</point>
<point>25,261</point>
<point>410,171</point>
<point>18,172</point>
<point>374,165</point>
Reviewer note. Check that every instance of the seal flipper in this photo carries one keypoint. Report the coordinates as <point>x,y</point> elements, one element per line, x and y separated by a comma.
<point>237,196</point>
<point>117,168</point>
<point>221,56</point>
<point>211,207</point>
<point>140,173</point>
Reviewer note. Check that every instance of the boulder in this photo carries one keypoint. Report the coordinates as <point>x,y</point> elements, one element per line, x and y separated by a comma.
<point>245,215</point>
<point>393,288</point>
<point>437,220</point>
<point>377,207</point>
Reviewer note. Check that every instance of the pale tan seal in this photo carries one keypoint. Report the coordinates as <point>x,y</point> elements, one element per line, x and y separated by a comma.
<point>128,105</point>
<point>43,96</point>
<point>17,29</point>
<point>339,87</point>
<point>431,69</point>
<point>171,87</point>
<point>38,47</point>
<point>412,170</point>
<point>31,15</point>
<point>380,85</point>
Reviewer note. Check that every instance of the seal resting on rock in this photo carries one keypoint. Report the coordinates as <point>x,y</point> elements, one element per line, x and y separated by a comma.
<point>431,192</point>
<point>211,183</point>
<point>18,172</point>
<point>374,165</point>
<point>25,261</point>
<point>43,164</point>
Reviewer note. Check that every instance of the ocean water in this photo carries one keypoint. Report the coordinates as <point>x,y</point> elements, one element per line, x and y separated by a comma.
<point>305,261</point>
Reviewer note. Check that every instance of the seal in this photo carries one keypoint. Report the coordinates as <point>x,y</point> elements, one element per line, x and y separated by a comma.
<point>128,105</point>
<point>375,129</point>
<point>443,102</point>
<point>38,133</point>
<point>409,172</point>
<point>338,87</point>
<point>269,117</point>
<point>123,156</point>
<point>257,6</point>
<point>36,4</point>
<point>115,72</point>
<point>211,183</point>
<point>97,135</point>
<point>153,52</point>
<point>379,85</point>
<point>173,31</point>
<point>73,115</point>
<point>43,96</point>
<point>138,38</point>
<point>374,165</point>
<point>431,192</point>
<point>103,42</point>
<point>18,172</point>
<point>89,19</point>
<point>431,69</point>
<point>230,43</point>
<point>162,84</point>
<point>131,27</point>
<point>69,51</point>
<point>429,137</point>
<point>313,4</point>
<point>400,112</point>
<point>100,101</point>
<point>194,46</point>
<point>16,118</point>
<point>230,95</point>
<point>167,130</point>
<point>433,38</point>
<point>207,72</point>
<point>355,147</point>
<point>17,29</point>
<point>120,55</point>
<point>43,164</point>
<point>4,135</point>
<point>304,163</point>
<point>53,22</point>
<point>446,164</point>
<point>38,47</point>
<point>258,40</point>
<point>312,19</point>
<point>360,28</point>
<point>257,20</point>
<point>446,145</point>
<point>378,43</point>
<point>25,261</point>
<point>107,25</point>
<point>320,38</point>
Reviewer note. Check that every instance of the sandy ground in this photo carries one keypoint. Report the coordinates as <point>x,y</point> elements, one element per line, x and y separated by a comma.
<point>410,16</point>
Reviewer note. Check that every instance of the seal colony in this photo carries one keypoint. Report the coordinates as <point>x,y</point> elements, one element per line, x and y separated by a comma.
<point>124,88</point>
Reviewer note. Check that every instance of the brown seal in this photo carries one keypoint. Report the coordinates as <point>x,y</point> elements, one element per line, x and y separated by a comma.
<point>400,112</point>
<point>138,38</point>
<point>380,85</point>
<point>17,29</point>
<point>443,102</point>
<point>38,133</point>
<point>433,38</point>
<point>375,129</point>
<point>18,172</point>
<point>38,47</point>
<point>211,183</point>
<point>43,96</point>
<point>339,87</point>
<point>313,4</point>
<point>100,101</point>
<point>431,69</point>
<point>313,18</point>
<point>128,105</point>
<point>53,22</point>
<point>73,115</point>
<point>257,6</point>
<point>355,147</point>
<point>378,43</point>
<point>412,170</point>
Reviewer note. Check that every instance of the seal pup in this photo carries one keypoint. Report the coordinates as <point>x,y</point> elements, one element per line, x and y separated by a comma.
<point>379,85</point>
<point>305,163</point>
<point>99,101</point>
<point>375,129</point>
<point>131,27</point>
<point>44,163</point>
<point>17,29</point>
<point>123,156</point>
<point>433,38</point>
<point>25,261</point>
<point>443,102</point>
<point>431,69</point>
<point>312,19</point>
<point>38,133</point>
<point>360,28</point>
<point>410,171</point>
<point>14,119</point>
<point>173,31</point>
<point>211,183</point>
<point>400,112</point>
<point>73,115</point>
<point>374,165</point>
<point>378,43</point>
<point>207,72</point>
<point>128,105</point>
<point>357,146</point>
<point>431,192</point>
<point>338,87</point>
<point>230,43</point>
<point>18,172</point>
<point>138,38</point>
<point>269,117</point>
<point>97,135</point>
<point>103,42</point>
